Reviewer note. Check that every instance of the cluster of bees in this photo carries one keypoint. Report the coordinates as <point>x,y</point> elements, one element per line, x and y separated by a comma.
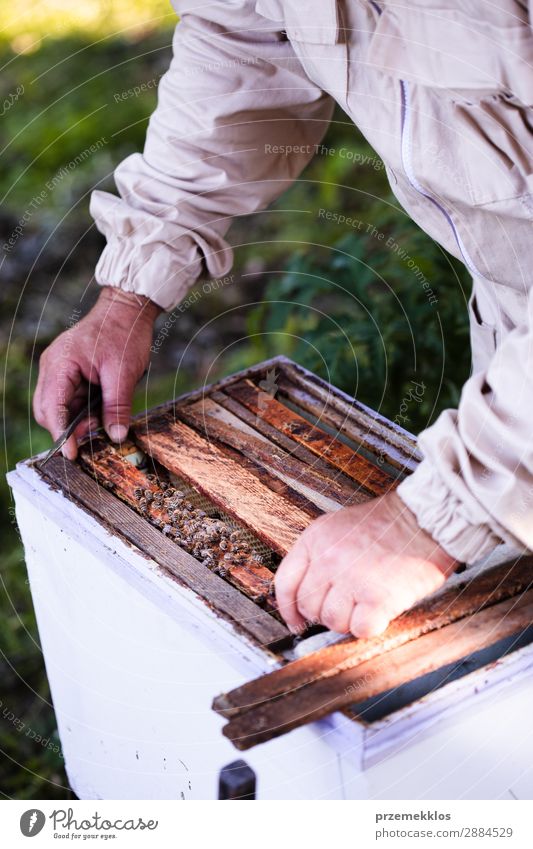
<point>209,539</point>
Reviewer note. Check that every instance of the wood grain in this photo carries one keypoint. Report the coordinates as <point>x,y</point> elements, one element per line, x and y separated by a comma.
<point>121,477</point>
<point>349,493</point>
<point>371,678</point>
<point>377,433</point>
<point>273,512</point>
<point>358,468</point>
<point>221,425</point>
<point>218,594</point>
<point>467,598</point>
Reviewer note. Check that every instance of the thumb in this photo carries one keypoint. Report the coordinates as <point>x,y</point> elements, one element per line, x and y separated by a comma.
<point>118,384</point>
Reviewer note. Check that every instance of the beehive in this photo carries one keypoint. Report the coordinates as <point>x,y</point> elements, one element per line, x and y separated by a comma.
<point>186,523</point>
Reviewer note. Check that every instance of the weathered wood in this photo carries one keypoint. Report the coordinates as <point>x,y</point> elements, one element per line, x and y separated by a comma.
<point>342,426</point>
<point>124,479</point>
<point>222,426</point>
<point>428,653</point>
<point>488,588</point>
<point>273,512</point>
<point>347,491</point>
<point>366,474</point>
<point>124,522</point>
<point>380,435</point>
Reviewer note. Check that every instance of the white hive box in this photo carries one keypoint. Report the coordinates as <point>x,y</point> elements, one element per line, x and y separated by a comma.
<point>139,636</point>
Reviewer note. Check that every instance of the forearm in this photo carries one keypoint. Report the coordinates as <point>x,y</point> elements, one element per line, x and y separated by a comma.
<point>234,96</point>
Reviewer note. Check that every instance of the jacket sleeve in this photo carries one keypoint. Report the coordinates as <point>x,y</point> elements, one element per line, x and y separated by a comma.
<point>236,122</point>
<point>474,486</point>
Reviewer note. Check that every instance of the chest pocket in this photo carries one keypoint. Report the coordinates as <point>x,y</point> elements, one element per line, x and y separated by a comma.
<point>478,77</point>
<point>445,47</point>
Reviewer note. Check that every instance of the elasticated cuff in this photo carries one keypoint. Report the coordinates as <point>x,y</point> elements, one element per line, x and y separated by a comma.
<point>444,517</point>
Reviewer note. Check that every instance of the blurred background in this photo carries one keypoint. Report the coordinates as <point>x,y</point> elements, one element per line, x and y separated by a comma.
<point>375,307</point>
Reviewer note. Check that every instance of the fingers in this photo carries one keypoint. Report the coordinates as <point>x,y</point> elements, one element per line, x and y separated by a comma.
<point>336,611</point>
<point>70,448</point>
<point>57,392</point>
<point>288,577</point>
<point>118,384</point>
<point>369,619</point>
<point>313,589</point>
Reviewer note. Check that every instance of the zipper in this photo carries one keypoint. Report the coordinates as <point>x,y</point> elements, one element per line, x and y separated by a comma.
<point>407,162</point>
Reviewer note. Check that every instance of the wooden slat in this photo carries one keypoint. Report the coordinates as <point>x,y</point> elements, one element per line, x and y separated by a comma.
<point>341,425</point>
<point>328,472</point>
<point>122,478</point>
<point>357,467</point>
<point>272,512</point>
<point>489,587</point>
<point>219,424</point>
<point>124,522</point>
<point>378,434</point>
<point>428,653</point>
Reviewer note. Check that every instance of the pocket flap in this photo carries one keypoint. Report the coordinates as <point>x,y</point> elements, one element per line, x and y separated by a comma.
<point>446,48</point>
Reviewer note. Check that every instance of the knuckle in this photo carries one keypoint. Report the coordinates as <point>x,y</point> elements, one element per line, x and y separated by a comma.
<point>44,358</point>
<point>117,408</point>
<point>282,581</point>
<point>38,414</point>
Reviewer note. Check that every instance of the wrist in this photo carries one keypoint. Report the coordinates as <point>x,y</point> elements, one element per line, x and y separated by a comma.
<point>139,305</point>
<point>425,545</point>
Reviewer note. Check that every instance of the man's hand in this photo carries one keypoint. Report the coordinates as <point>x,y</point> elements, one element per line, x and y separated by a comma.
<point>110,347</point>
<point>359,568</point>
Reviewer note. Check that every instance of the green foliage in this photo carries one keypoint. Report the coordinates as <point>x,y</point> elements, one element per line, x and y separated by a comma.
<point>82,110</point>
<point>381,308</point>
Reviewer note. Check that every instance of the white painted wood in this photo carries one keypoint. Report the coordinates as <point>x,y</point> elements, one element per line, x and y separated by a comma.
<point>484,752</point>
<point>445,706</point>
<point>134,660</point>
<point>133,669</point>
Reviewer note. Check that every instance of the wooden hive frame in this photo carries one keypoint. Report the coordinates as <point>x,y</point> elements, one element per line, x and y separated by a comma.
<point>271,448</point>
<point>254,457</point>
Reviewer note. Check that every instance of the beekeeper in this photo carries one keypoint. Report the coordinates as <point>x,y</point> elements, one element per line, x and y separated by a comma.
<point>443,91</point>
